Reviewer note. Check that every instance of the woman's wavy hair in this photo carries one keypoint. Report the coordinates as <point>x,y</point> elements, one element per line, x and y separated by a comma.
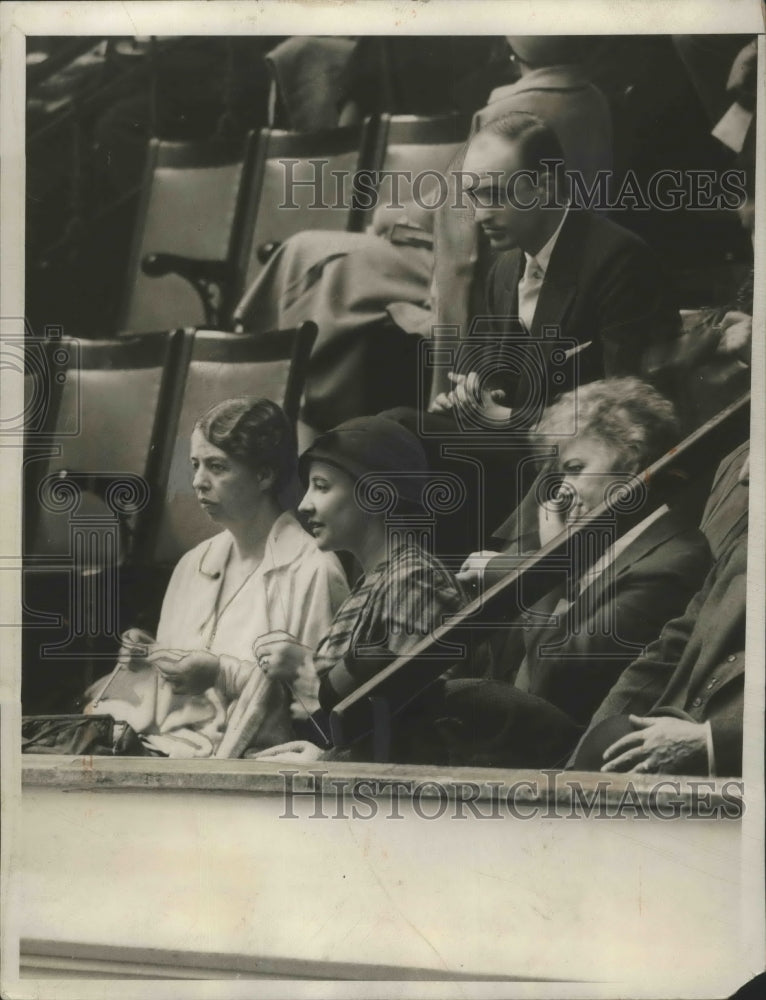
<point>256,432</point>
<point>626,413</point>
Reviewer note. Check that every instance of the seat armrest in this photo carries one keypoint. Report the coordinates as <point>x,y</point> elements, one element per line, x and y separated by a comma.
<point>266,251</point>
<point>211,279</point>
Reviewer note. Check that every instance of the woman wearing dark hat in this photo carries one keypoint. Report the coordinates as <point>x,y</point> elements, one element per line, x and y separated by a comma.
<point>355,475</point>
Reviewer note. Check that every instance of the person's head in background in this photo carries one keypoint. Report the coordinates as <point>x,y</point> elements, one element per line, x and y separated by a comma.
<point>530,52</point>
<point>330,470</point>
<point>620,427</point>
<point>514,181</point>
<point>243,455</point>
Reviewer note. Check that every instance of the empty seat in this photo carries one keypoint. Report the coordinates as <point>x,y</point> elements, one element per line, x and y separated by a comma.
<point>90,459</point>
<point>416,144</point>
<point>190,207</point>
<point>219,366</point>
<point>301,181</point>
<point>101,426</point>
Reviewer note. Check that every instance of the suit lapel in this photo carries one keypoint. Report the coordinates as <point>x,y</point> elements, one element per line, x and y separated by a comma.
<point>657,533</point>
<point>560,284</point>
<point>592,597</point>
<point>514,269</point>
<point>660,531</point>
<point>724,623</point>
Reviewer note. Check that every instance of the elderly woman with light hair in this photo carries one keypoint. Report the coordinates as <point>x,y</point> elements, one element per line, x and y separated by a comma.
<point>579,638</point>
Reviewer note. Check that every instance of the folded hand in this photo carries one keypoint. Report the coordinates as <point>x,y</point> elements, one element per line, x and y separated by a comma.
<point>187,671</point>
<point>298,751</point>
<point>281,657</point>
<point>662,745</point>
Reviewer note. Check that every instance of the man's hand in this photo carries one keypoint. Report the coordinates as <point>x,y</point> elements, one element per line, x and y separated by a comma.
<point>281,657</point>
<point>472,571</point>
<point>187,672</point>
<point>298,752</point>
<point>442,403</point>
<point>736,335</point>
<point>468,396</point>
<point>663,745</point>
<point>446,401</point>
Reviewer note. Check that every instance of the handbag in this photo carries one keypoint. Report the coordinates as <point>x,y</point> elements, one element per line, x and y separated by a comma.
<point>81,735</point>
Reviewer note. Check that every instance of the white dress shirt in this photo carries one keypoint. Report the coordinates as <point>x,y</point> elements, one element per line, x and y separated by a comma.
<point>534,274</point>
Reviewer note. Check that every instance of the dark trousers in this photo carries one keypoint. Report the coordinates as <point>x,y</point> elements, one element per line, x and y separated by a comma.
<point>475,723</point>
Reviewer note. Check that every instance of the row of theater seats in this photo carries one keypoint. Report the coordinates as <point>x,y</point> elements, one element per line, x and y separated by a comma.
<point>217,206</point>
<point>106,475</point>
<point>109,427</point>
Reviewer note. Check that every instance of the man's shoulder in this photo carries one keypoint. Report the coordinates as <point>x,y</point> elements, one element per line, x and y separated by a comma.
<point>562,77</point>
<point>599,233</point>
<point>728,472</point>
<point>678,545</point>
<point>728,502</point>
<point>670,546</point>
<point>586,230</point>
<point>551,89</point>
<point>588,242</point>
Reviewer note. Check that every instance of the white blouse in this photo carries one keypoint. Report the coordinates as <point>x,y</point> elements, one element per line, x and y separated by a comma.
<point>296,588</point>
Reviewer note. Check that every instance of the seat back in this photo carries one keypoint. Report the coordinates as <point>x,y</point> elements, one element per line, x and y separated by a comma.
<point>103,423</point>
<point>190,206</point>
<point>219,366</point>
<point>292,188</point>
<point>416,144</point>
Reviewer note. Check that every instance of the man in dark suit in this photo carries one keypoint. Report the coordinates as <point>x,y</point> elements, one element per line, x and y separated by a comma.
<point>678,709</point>
<point>593,634</point>
<point>542,683</point>
<point>559,267</point>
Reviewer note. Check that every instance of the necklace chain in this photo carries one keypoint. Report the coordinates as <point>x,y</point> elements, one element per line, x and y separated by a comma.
<point>219,612</point>
<point>216,617</point>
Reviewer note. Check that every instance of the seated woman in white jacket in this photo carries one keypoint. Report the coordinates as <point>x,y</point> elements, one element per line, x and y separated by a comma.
<point>261,573</point>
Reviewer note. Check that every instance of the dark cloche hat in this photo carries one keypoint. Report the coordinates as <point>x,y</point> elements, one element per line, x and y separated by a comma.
<point>371,445</point>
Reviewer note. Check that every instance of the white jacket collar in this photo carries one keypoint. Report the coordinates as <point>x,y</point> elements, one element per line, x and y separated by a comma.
<point>285,542</point>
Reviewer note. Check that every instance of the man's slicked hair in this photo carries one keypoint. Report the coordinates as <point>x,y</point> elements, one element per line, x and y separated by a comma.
<point>536,141</point>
